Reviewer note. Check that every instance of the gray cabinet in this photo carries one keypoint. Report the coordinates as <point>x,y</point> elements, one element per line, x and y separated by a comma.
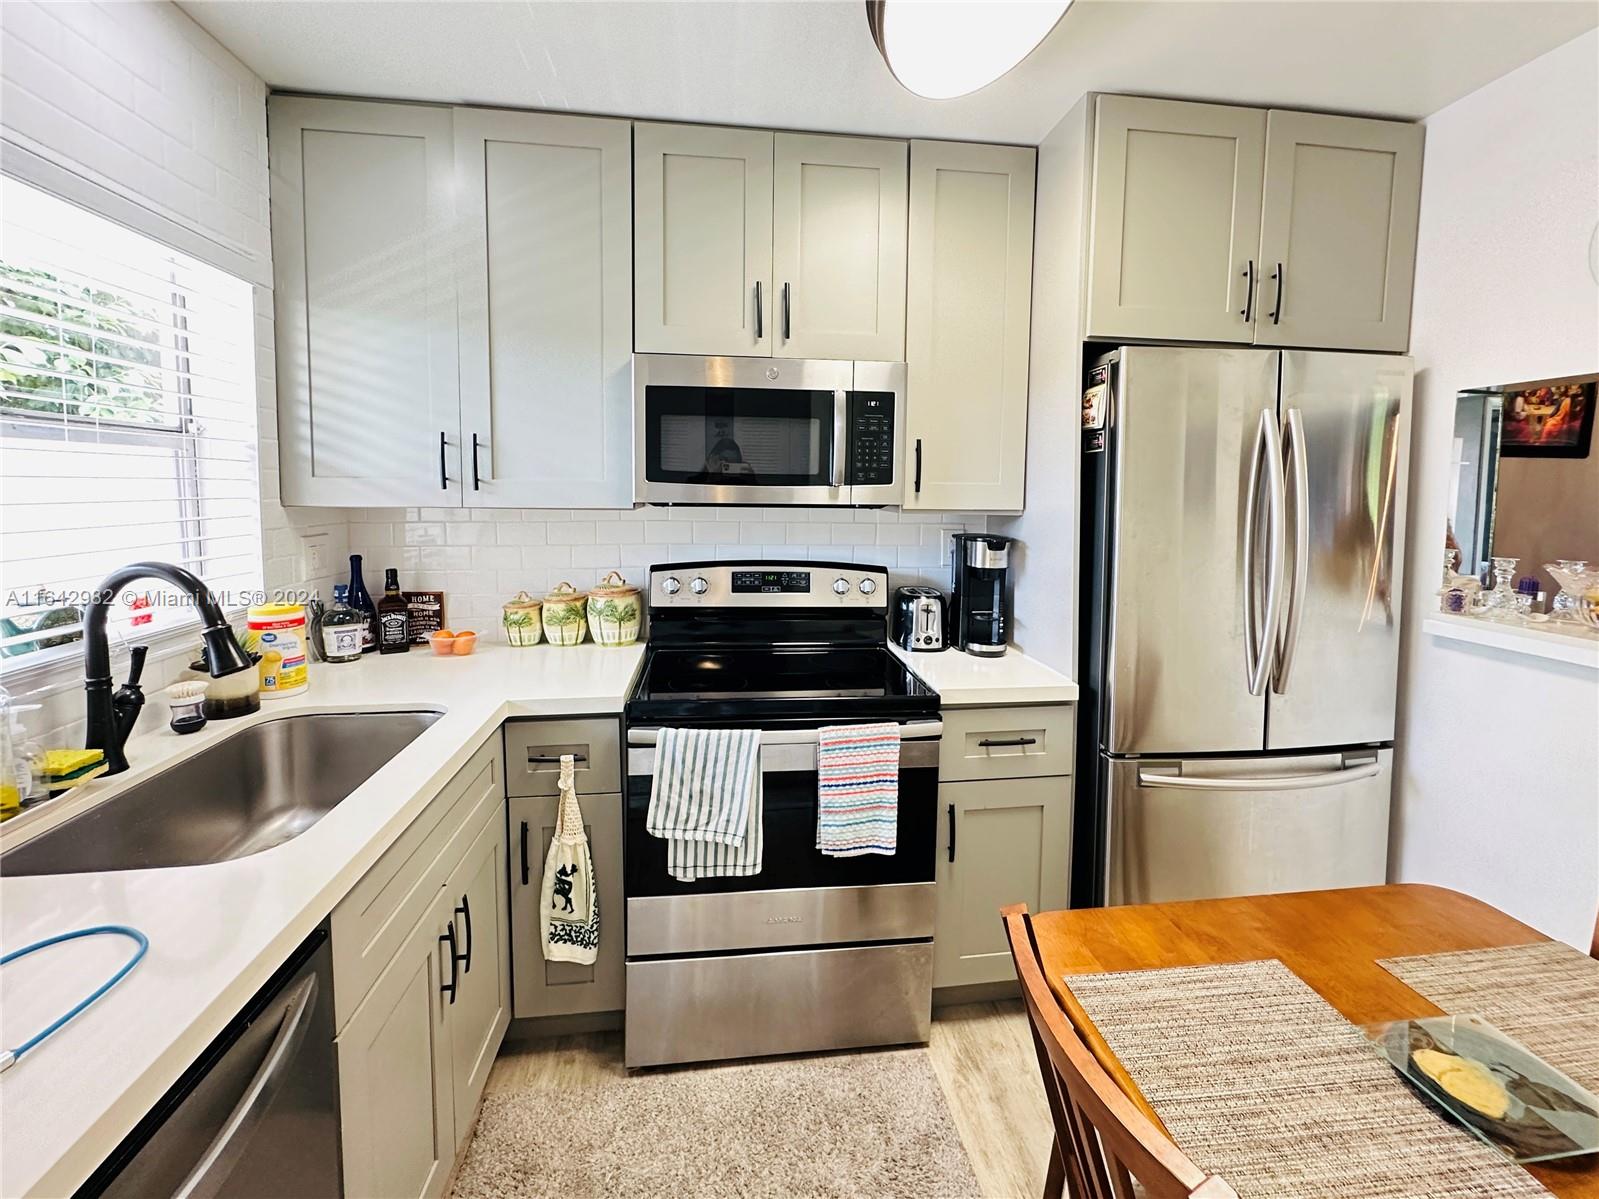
<point>1006,833</point>
<point>1217,223</point>
<point>481,1007</point>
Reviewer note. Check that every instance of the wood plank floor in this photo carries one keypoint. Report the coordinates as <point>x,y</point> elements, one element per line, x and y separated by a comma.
<point>982,1054</point>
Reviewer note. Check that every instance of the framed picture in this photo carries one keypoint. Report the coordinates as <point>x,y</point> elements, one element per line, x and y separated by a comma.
<point>1548,420</point>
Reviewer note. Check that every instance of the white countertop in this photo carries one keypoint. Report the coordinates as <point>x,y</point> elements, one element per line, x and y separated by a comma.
<point>217,932</point>
<point>964,680</point>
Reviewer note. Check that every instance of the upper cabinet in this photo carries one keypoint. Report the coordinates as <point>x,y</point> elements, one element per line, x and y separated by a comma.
<point>1222,224</point>
<point>748,243</point>
<point>838,247</point>
<point>454,321</point>
<point>966,329</point>
<point>365,298</point>
<point>702,240</point>
<point>545,281</point>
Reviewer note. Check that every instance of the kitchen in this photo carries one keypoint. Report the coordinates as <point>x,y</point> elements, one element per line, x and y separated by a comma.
<point>813,345</point>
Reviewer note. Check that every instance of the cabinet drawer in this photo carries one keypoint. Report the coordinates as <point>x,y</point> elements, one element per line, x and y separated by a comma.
<point>533,750</point>
<point>372,921</point>
<point>1006,743</point>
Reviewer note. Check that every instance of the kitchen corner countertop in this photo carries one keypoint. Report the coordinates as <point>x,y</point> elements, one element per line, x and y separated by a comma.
<point>217,932</point>
<point>965,681</point>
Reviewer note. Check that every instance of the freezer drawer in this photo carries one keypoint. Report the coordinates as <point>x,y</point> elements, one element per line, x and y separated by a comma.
<point>1209,828</point>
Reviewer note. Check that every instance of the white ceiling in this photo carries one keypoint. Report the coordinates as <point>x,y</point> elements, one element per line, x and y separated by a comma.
<point>811,64</point>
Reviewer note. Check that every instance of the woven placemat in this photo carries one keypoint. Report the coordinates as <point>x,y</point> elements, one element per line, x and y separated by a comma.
<point>1260,1080</point>
<point>1545,995</point>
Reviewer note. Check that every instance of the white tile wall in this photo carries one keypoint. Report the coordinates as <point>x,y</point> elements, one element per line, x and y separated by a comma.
<point>481,559</point>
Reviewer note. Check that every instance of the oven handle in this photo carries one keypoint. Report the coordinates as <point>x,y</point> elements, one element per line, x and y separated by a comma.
<point>916,730</point>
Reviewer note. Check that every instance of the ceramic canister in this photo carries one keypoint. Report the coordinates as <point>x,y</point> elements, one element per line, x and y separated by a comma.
<point>564,616</point>
<point>614,611</point>
<point>522,621</point>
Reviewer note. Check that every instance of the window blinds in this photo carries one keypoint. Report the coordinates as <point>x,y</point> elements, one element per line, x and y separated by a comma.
<point>127,423</point>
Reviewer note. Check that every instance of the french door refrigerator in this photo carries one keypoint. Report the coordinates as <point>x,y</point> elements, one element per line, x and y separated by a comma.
<point>1242,522</point>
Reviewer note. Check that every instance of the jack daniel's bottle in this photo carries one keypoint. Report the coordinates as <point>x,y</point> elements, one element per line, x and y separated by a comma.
<point>394,618</point>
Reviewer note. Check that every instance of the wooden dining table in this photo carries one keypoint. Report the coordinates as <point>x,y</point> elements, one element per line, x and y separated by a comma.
<point>1330,939</point>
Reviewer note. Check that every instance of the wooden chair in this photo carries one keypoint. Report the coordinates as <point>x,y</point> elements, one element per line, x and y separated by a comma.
<point>1102,1141</point>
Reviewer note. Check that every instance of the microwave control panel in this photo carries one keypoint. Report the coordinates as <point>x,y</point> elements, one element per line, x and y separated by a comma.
<point>871,438</point>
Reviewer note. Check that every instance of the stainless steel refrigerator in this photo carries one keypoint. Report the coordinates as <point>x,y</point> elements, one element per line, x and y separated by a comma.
<point>1243,512</point>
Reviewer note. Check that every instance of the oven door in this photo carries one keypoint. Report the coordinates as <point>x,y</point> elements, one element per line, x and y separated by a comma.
<point>800,896</point>
<point>741,430</point>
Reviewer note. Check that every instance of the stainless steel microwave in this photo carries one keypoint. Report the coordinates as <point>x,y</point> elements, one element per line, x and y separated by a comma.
<point>768,431</point>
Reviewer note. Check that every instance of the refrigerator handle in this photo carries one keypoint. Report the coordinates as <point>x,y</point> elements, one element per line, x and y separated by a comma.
<point>1296,475</point>
<point>1260,632</point>
<point>1172,778</point>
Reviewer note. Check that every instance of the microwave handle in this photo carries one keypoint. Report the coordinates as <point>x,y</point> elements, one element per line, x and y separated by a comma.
<point>840,433</point>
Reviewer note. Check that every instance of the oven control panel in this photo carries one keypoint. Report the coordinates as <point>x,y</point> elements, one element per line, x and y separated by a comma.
<point>768,584</point>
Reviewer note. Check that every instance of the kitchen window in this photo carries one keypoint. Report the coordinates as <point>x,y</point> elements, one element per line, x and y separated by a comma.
<point>127,426</point>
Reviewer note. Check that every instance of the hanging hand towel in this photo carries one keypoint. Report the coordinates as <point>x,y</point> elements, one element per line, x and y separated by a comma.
<point>706,802</point>
<point>571,902</point>
<point>857,789</point>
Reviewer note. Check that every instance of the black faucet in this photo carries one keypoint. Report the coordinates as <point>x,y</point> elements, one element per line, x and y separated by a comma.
<point>111,720</point>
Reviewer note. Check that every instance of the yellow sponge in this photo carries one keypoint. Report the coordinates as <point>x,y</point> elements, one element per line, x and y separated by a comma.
<point>71,765</point>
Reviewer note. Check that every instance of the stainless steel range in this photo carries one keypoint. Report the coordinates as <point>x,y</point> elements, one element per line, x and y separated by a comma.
<point>813,952</point>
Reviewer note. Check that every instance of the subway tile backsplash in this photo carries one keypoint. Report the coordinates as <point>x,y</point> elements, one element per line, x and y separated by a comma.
<point>480,559</point>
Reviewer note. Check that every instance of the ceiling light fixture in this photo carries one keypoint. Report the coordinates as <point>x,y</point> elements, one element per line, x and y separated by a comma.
<point>941,49</point>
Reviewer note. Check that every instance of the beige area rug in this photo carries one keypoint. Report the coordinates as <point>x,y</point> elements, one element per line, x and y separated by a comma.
<point>846,1126</point>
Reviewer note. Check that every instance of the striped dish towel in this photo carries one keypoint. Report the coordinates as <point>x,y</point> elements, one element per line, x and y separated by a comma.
<point>857,789</point>
<point>705,802</point>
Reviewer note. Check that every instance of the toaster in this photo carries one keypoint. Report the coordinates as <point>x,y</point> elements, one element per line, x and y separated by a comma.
<point>918,618</point>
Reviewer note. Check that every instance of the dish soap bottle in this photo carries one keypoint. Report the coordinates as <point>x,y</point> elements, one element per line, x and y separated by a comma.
<point>394,617</point>
<point>341,628</point>
<point>361,601</point>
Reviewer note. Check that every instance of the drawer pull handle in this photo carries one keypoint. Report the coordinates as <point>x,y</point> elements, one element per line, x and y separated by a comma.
<point>524,853</point>
<point>952,832</point>
<point>534,759</point>
<point>1006,742</point>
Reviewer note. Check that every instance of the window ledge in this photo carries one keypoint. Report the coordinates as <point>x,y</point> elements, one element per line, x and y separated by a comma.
<point>1554,642</point>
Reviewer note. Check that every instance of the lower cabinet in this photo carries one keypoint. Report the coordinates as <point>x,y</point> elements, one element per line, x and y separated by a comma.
<point>1005,841</point>
<point>479,1009</point>
<point>565,988</point>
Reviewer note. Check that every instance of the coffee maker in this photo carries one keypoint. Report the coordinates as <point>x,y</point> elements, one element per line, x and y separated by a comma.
<point>979,570</point>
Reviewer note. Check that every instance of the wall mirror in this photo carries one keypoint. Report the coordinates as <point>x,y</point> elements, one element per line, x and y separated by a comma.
<point>1526,487</point>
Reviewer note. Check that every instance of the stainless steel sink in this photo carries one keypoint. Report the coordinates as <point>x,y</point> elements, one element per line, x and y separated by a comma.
<point>260,787</point>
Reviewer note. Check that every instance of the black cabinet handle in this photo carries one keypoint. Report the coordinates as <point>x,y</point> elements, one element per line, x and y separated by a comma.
<point>474,463</point>
<point>444,478</point>
<point>918,487</point>
<point>448,939</point>
<point>787,331</point>
<point>760,325</point>
<point>538,759</point>
<point>465,908</point>
<point>1249,292</point>
<point>524,853</point>
<point>952,832</point>
<point>1277,303</point>
<point>987,743</point>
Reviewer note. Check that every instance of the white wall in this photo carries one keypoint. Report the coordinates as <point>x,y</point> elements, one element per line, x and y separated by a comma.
<point>1044,572</point>
<point>135,112</point>
<point>1498,760</point>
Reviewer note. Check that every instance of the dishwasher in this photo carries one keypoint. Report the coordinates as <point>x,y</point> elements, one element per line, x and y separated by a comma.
<point>257,1115</point>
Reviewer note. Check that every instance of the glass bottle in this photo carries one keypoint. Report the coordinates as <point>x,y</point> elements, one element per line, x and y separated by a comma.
<point>394,616</point>
<point>361,600</point>
<point>341,628</point>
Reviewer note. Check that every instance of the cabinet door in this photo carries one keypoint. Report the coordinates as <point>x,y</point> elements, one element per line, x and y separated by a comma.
<point>361,216</point>
<point>482,1007</point>
<point>546,317</point>
<point>702,240</point>
<point>395,1111</point>
<point>838,246</point>
<point>565,988</point>
<point>1176,220</point>
<point>1338,232</point>
<point>966,325</point>
<point>1010,843</point>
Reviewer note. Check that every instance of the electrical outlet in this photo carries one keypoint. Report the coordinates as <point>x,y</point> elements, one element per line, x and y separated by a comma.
<point>944,536</point>
<point>315,559</point>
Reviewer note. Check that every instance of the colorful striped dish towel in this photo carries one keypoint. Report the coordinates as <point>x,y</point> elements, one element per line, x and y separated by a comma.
<point>857,789</point>
<point>705,802</point>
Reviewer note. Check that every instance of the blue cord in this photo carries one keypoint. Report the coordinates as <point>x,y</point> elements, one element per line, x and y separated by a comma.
<point>8,1056</point>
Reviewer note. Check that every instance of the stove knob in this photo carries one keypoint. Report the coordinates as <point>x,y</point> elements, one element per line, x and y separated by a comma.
<point>868,586</point>
<point>671,585</point>
<point>698,585</point>
<point>840,586</point>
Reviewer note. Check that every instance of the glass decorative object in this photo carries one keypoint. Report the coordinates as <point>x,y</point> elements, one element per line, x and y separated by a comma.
<point>1501,603</point>
<point>1575,579</point>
